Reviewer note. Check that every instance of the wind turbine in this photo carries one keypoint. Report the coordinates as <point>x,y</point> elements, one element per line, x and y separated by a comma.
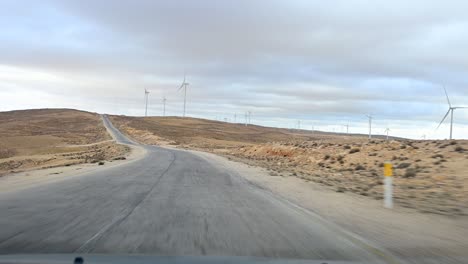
<point>146,101</point>
<point>347,128</point>
<point>450,111</point>
<point>387,130</point>
<point>370,125</point>
<point>184,86</point>
<point>164,105</point>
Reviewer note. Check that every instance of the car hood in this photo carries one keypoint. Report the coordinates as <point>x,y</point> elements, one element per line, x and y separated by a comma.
<point>139,259</point>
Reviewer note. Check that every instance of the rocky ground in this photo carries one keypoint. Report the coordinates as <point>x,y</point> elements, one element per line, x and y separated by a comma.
<point>428,175</point>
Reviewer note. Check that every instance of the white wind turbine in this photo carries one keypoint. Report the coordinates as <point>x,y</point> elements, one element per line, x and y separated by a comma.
<point>387,130</point>
<point>184,86</point>
<point>146,101</point>
<point>347,128</point>
<point>164,105</point>
<point>370,125</point>
<point>450,111</point>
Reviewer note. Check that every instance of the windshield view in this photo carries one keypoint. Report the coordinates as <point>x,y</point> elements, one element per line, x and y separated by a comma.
<point>250,131</point>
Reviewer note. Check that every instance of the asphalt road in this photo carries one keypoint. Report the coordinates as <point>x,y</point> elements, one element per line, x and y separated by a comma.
<point>170,202</point>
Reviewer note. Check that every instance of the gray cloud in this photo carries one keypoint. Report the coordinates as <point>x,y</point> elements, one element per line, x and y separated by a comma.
<point>280,59</point>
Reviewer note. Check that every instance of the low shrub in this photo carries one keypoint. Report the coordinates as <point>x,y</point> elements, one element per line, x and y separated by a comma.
<point>410,173</point>
<point>403,165</point>
<point>459,149</point>
<point>359,167</point>
<point>340,189</point>
<point>354,150</point>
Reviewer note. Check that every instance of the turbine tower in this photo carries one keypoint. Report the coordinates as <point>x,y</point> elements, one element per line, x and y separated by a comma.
<point>164,105</point>
<point>347,128</point>
<point>184,86</point>
<point>450,111</point>
<point>146,101</point>
<point>370,125</point>
<point>387,130</point>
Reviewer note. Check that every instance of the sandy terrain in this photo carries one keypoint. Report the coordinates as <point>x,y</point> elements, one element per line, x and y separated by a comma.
<point>45,138</point>
<point>430,176</point>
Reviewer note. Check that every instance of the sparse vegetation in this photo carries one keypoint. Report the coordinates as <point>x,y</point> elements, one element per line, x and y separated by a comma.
<point>354,150</point>
<point>410,173</point>
<point>359,167</point>
<point>403,165</point>
<point>459,149</point>
<point>7,152</point>
<point>341,189</point>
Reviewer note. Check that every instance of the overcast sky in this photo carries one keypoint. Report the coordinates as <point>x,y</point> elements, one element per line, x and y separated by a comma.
<point>326,63</point>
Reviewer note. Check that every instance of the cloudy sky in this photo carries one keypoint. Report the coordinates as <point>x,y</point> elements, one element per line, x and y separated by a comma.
<point>326,63</point>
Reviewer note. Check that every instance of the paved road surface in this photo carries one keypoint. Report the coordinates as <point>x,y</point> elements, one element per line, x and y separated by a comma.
<point>170,202</point>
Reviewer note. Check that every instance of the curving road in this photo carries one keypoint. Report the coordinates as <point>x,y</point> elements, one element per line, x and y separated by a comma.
<point>170,202</point>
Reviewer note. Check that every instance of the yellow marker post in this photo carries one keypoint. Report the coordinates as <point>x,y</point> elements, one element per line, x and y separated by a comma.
<point>388,185</point>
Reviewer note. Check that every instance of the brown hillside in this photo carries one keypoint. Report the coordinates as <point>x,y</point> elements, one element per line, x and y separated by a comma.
<point>52,137</point>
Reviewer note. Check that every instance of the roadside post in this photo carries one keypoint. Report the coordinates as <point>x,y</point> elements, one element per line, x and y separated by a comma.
<point>388,185</point>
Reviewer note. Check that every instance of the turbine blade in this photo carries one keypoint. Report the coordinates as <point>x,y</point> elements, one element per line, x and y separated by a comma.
<point>183,83</point>
<point>460,107</point>
<point>446,94</point>
<point>443,119</point>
